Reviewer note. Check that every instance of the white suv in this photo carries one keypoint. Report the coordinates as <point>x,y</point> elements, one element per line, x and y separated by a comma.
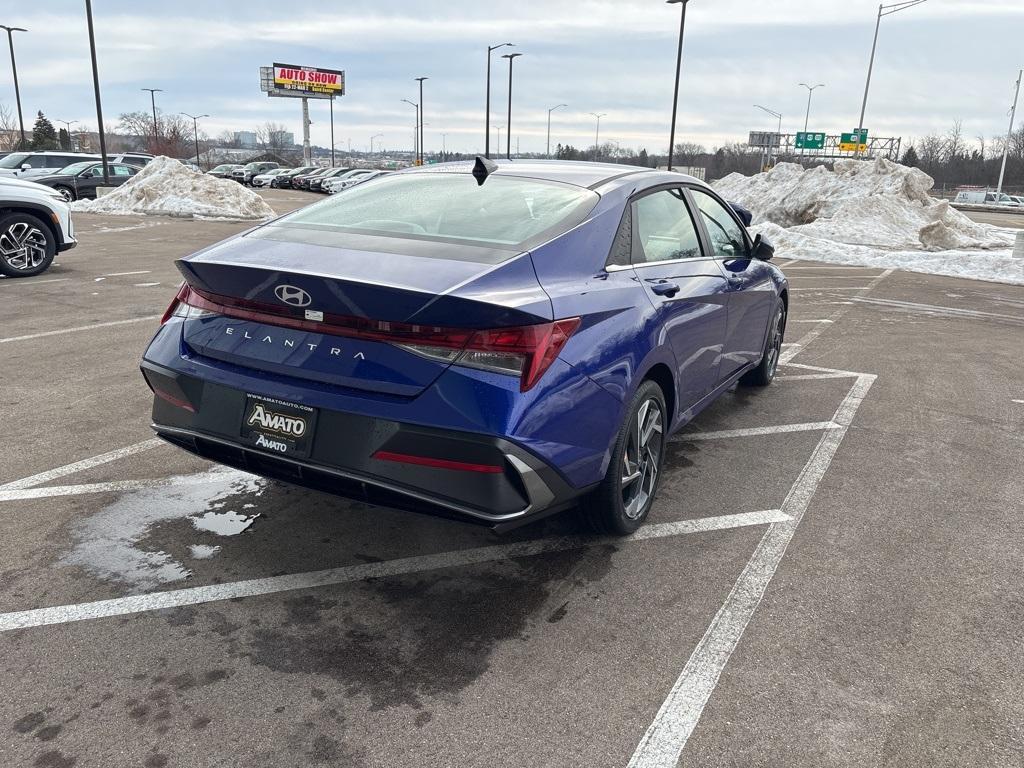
<point>25,165</point>
<point>35,225</point>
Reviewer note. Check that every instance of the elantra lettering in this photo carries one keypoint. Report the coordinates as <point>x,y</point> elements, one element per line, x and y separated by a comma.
<point>290,343</point>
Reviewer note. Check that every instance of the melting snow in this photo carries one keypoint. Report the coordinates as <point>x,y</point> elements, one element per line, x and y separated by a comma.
<point>168,188</point>
<point>875,214</point>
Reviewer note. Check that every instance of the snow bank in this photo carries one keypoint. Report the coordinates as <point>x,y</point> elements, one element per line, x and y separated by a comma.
<point>168,188</point>
<point>871,213</point>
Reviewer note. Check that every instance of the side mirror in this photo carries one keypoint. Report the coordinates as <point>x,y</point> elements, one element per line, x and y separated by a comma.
<point>762,248</point>
<point>26,166</point>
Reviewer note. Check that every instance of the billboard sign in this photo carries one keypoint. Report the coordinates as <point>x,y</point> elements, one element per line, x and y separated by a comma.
<point>308,81</point>
<point>764,139</point>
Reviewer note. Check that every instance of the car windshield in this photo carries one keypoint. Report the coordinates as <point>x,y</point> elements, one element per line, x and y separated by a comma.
<point>14,160</point>
<point>76,168</point>
<point>505,211</point>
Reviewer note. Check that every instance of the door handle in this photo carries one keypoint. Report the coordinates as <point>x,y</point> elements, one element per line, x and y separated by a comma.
<point>665,288</point>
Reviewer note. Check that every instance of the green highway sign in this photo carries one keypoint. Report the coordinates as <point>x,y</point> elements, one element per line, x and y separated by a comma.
<point>853,141</point>
<point>808,140</point>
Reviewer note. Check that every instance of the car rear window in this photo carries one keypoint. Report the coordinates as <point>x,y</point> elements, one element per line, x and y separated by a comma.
<point>504,211</point>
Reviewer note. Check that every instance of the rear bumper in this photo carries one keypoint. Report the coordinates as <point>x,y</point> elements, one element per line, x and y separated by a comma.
<point>341,459</point>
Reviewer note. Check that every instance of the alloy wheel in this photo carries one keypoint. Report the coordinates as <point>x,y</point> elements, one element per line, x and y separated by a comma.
<point>640,460</point>
<point>67,194</point>
<point>775,347</point>
<point>23,246</point>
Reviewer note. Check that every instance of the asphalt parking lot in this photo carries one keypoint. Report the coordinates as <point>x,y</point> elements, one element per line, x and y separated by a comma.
<point>831,575</point>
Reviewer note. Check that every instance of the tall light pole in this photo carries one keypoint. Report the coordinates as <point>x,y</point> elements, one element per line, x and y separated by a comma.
<point>421,79</point>
<point>597,134</point>
<point>810,90</point>
<point>883,10</point>
<point>152,99</point>
<point>487,118</point>
<point>14,70</point>
<point>444,143</point>
<point>375,136</point>
<point>548,151</point>
<point>675,93</point>
<point>1009,133</point>
<point>415,130</point>
<point>195,132</point>
<point>773,113</point>
<point>96,88</point>
<point>508,131</point>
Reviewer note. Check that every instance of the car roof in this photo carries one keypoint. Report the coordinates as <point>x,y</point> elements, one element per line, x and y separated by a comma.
<point>580,173</point>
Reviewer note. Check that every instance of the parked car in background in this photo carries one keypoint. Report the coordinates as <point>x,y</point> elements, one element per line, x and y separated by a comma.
<point>35,225</point>
<point>981,197</point>
<point>350,179</point>
<point>264,179</point>
<point>138,159</point>
<point>491,341</point>
<point>246,172</point>
<point>332,173</point>
<point>284,180</point>
<point>27,165</point>
<point>302,180</point>
<point>79,180</point>
<point>224,170</point>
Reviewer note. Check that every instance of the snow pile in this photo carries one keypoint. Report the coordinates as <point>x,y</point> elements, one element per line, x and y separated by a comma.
<point>168,188</point>
<point>871,214</point>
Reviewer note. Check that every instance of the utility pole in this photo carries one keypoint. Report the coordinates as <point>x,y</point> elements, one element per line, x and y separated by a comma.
<point>421,113</point>
<point>778,134</point>
<point>96,87</point>
<point>415,130</point>
<point>152,99</point>
<point>332,130</point>
<point>597,134</point>
<point>675,95</point>
<point>548,151</point>
<point>1009,133</point>
<point>14,70</point>
<point>307,155</point>
<point>883,10</point>
<point>508,131</point>
<point>487,117</point>
<point>195,131</point>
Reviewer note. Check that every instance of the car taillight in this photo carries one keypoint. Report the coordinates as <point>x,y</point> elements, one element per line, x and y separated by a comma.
<point>525,351</point>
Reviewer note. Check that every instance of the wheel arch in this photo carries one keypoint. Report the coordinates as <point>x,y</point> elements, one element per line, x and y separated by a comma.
<point>661,375</point>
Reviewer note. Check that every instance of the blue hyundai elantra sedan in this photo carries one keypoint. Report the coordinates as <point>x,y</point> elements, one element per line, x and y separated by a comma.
<point>487,341</point>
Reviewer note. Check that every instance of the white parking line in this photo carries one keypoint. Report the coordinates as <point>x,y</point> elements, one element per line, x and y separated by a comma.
<point>121,606</point>
<point>933,309</point>
<point>61,332</point>
<point>837,288</point>
<point>113,486</point>
<point>1017,401</point>
<point>80,466</point>
<point>122,274</point>
<point>792,320</point>
<point>23,281</point>
<point>809,426</point>
<point>666,737</point>
<point>829,277</point>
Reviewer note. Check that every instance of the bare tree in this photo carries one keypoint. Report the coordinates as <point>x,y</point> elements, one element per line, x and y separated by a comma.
<point>954,148</point>
<point>273,137</point>
<point>9,133</point>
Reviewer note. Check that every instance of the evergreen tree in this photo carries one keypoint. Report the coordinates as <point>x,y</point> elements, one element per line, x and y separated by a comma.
<point>910,158</point>
<point>642,159</point>
<point>44,135</point>
<point>64,139</point>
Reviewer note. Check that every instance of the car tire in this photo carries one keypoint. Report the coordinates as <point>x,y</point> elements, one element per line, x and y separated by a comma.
<point>66,192</point>
<point>764,373</point>
<point>27,245</point>
<point>621,503</point>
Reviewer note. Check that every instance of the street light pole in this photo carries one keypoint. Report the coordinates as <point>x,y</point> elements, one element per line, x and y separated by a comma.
<point>96,88</point>
<point>444,143</point>
<point>487,118</point>
<point>883,10</point>
<point>415,130</point>
<point>67,126</point>
<point>1009,133</point>
<point>810,90</point>
<point>195,132</point>
<point>597,134</point>
<point>14,70</point>
<point>675,94</point>
<point>375,136</point>
<point>773,113</point>
<point>152,99</point>
<point>508,130</point>
<point>420,135</point>
<point>548,152</point>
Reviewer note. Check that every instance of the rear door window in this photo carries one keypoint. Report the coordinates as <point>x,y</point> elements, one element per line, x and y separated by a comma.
<point>664,229</point>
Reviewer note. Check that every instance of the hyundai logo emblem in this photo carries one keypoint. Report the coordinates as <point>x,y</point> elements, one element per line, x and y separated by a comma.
<point>289,294</point>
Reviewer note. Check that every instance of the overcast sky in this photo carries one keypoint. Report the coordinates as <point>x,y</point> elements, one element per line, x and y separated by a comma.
<point>942,61</point>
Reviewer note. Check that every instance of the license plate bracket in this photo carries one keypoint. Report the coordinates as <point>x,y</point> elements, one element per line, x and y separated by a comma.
<point>277,426</point>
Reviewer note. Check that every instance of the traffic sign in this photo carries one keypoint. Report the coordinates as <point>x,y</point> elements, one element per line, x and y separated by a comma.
<point>854,141</point>
<point>809,140</point>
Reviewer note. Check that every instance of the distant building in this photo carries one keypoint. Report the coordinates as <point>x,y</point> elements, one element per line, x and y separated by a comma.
<point>246,139</point>
<point>284,139</point>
